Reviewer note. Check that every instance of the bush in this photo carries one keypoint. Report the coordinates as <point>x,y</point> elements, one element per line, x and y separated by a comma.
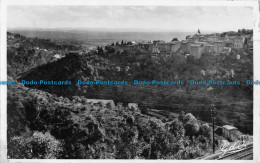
<point>101,103</point>
<point>189,118</point>
<point>110,105</point>
<point>191,124</point>
<point>37,146</point>
<point>191,128</point>
<point>176,127</point>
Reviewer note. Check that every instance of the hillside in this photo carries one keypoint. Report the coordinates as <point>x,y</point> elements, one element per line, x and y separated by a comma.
<point>24,53</point>
<point>61,121</point>
<point>63,128</point>
<point>70,68</point>
<point>107,65</point>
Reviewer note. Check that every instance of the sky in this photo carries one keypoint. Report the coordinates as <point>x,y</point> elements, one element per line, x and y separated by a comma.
<point>132,18</point>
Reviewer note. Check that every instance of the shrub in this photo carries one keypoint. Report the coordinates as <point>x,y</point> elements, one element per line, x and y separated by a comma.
<point>189,118</point>
<point>176,127</point>
<point>191,124</point>
<point>191,128</point>
<point>101,103</point>
<point>110,105</point>
<point>37,146</point>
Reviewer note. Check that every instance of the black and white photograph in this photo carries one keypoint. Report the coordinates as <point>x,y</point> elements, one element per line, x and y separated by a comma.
<point>139,81</point>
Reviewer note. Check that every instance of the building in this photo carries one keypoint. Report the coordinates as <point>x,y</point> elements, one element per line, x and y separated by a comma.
<point>234,41</point>
<point>250,42</point>
<point>128,47</point>
<point>155,49</point>
<point>163,47</point>
<point>218,46</point>
<point>168,54</point>
<point>146,46</point>
<point>119,49</point>
<point>168,48</point>
<point>197,50</point>
<point>185,47</point>
<point>226,50</point>
<point>213,39</point>
<point>133,106</point>
<point>154,55</point>
<point>229,41</point>
<point>96,101</point>
<point>199,43</point>
<point>190,38</point>
<point>239,42</point>
<point>231,133</point>
<point>175,46</point>
<point>209,49</point>
<point>202,39</point>
<point>137,46</point>
<point>57,56</point>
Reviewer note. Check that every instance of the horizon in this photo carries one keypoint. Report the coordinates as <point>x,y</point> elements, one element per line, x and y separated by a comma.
<point>117,30</point>
<point>84,34</point>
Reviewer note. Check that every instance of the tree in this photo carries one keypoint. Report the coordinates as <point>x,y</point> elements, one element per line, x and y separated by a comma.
<point>176,127</point>
<point>175,39</point>
<point>38,146</point>
<point>100,50</point>
<point>243,31</point>
<point>191,128</point>
<point>122,42</point>
<point>191,124</point>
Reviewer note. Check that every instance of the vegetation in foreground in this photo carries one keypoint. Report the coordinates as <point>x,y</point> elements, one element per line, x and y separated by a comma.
<point>41,125</point>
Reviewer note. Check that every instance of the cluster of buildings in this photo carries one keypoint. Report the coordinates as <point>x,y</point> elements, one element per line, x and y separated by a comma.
<point>195,45</point>
<point>199,44</point>
<point>156,48</point>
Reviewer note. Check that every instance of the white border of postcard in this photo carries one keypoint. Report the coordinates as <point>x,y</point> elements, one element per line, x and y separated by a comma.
<point>3,63</point>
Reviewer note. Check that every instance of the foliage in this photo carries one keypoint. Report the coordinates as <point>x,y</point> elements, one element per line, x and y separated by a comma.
<point>77,130</point>
<point>37,146</point>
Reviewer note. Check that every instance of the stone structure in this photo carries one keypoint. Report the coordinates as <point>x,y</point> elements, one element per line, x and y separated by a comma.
<point>195,45</point>
<point>175,46</point>
<point>185,48</point>
<point>231,133</point>
<point>209,49</point>
<point>213,39</point>
<point>218,46</point>
<point>239,42</point>
<point>197,50</point>
<point>168,48</point>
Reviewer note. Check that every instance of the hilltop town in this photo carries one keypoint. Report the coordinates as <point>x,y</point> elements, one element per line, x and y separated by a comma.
<point>195,45</point>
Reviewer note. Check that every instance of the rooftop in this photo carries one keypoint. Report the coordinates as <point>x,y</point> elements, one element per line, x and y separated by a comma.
<point>229,127</point>
<point>197,45</point>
